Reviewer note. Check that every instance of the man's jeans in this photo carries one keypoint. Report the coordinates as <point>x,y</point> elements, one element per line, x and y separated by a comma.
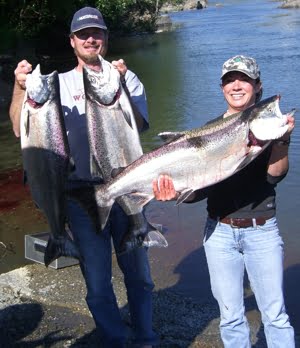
<point>259,249</point>
<point>96,250</point>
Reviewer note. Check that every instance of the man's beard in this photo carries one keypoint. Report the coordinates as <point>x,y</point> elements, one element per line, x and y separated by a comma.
<point>90,58</point>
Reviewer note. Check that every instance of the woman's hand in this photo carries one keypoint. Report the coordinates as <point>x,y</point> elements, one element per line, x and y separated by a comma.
<point>291,124</point>
<point>163,188</point>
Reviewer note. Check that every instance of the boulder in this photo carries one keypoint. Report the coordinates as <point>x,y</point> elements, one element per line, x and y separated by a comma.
<point>291,4</point>
<point>187,5</point>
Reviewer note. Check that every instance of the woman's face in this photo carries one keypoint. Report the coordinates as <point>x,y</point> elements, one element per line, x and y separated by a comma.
<point>239,90</point>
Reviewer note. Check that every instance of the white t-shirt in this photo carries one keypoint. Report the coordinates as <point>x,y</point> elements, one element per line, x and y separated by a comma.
<point>73,104</point>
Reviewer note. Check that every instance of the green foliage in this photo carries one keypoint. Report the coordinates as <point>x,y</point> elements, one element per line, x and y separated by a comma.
<point>172,2</point>
<point>129,15</point>
<point>32,18</point>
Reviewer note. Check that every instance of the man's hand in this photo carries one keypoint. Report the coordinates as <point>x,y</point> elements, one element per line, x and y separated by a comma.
<point>120,65</point>
<point>163,188</point>
<point>21,71</point>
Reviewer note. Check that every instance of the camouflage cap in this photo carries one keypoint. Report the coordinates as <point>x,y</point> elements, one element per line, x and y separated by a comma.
<point>246,65</point>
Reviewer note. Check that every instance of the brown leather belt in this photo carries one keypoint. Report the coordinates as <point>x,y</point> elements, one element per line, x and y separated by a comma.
<point>243,223</point>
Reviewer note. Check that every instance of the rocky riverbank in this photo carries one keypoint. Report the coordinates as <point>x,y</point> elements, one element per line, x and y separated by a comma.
<point>186,5</point>
<point>42,307</point>
<point>192,5</point>
<point>291,4</point>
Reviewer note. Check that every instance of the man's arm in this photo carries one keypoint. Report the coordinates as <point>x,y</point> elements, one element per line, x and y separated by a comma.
<point>21,71</point>
<point>15,108</point>
<point>141,123</point>
<point>135,93</point>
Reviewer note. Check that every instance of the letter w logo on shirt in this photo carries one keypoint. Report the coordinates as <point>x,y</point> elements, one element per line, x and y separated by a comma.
<point>77,97</point>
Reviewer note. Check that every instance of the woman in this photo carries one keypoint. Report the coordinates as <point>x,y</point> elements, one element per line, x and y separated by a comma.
<point>241,231</point>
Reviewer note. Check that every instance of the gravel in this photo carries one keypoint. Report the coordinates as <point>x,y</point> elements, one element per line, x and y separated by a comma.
<point>44,307</point>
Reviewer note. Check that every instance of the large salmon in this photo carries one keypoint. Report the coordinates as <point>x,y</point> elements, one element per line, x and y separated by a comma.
<point>114,143</point>
<point>198,158</point>
<point>46,159</point>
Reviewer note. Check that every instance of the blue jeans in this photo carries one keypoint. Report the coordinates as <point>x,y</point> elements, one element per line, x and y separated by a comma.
<point>259,249</point>
<point>96,250</point>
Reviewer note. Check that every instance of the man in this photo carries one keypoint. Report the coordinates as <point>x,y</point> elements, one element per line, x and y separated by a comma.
<point>89,38</point>
<point>241,231</point>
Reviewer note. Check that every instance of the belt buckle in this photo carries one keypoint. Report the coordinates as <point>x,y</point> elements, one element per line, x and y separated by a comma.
<point>232,224</point>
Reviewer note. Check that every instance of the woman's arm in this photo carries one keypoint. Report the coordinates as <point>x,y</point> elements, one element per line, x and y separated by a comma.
<point>279,160</point>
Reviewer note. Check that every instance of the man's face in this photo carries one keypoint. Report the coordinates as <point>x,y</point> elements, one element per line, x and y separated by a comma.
<point>88,43</point>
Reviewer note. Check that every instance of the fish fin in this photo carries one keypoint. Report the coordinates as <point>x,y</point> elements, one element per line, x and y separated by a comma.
<point>104,215</point>
<point>57,247</point>
<point>184,195</point>
<point>243,164</point>
<point>252,154</point>
<point>96,170</point>
<point>168,137</point>
<point>139,198</point>
<point>147,235</point>
<point>27,123</point>
<point>72,166</point>
<point>126,114</point>
<point>116,171</point>
<point>155,238</point>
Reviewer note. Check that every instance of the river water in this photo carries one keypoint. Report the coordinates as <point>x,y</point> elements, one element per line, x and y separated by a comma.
<point>181,72</point>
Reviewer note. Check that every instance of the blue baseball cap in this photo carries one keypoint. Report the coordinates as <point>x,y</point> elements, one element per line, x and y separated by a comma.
<point>87,17</point>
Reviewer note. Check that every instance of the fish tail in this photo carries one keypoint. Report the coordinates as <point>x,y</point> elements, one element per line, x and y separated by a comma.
<point>104,203</point>
<point>57,247</point>
<point>137,239</point>
<point>155,238</point>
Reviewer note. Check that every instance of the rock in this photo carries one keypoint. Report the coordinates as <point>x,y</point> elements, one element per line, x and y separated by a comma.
<point>163,23</point>
<point>192,4</point>
<point>187,5</point>
<point>291,4</point>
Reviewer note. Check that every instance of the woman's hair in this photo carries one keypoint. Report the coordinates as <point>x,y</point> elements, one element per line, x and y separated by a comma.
<point>259,94</point>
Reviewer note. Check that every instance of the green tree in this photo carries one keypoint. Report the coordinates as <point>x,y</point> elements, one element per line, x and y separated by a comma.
<point>129,15</point>
<point>31,18</point>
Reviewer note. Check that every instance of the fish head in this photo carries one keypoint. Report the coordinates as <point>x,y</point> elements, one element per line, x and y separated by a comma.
<point>266,120</point>
<point>102,86</point>
<point>38,86</point>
